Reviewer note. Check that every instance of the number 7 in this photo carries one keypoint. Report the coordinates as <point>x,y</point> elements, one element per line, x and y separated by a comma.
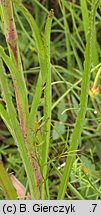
<point>95,205</point>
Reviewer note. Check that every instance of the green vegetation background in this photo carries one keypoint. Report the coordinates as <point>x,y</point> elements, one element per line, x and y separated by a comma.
<point>68,40</point>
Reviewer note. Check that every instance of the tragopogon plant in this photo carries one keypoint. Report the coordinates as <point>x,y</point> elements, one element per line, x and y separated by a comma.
<point>31,137</point>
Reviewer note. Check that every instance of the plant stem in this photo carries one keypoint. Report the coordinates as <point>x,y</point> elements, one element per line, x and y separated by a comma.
<point>30,141</point>
<point>45,67</point>
<point>12,42</point>
<point>37,38</point>
<point>14,124</point>
<point>47,104</point>
<point>9,26</point>
<point>85,16</point>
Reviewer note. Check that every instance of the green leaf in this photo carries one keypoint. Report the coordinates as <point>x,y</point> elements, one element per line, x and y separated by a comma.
<point>14,126</point>
<point>83,105</point>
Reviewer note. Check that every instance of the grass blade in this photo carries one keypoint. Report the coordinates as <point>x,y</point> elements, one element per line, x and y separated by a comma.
<point>12,42</point>
<point>5,117</point>
<point>37,38</point>
<point>47,103</point>
<point>85,15</point>
<point>6,184</point>
<point>83,105</point>
<point>18,134</point>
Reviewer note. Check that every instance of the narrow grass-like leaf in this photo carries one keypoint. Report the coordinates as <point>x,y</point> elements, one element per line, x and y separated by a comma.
<point>20,89</point>
<point>71,187</point>
<point>37,38</point>
<point>83,105</point>
<point>33,111</point>
<point>47,103</point>
<point>40,82</point>
<point>31,133</point>
<point>6,184</point>
<point>85,15</point>
<point>44,60</point>
<point>18,134</point>
<point>5,117</point>
<point>12,42</point>
<point>45,9</point>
